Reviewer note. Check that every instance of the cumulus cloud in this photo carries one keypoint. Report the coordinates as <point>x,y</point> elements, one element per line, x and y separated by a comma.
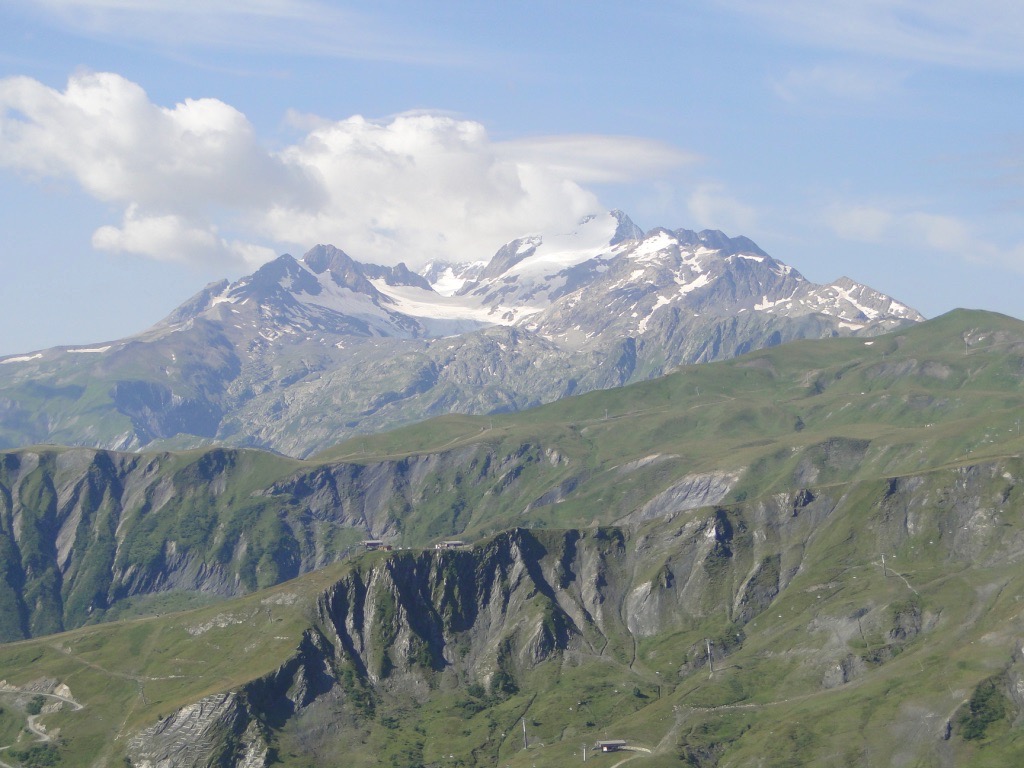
<point>195,182</point>
<point>423,186</point>
<point>173,238</point>
<point>105,133</point>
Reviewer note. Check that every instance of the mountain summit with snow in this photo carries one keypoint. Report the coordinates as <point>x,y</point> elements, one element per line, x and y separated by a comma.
<point>604,276</point>
<point>305,352</point>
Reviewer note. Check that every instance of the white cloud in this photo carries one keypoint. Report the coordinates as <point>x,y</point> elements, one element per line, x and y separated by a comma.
<point>599,159</point>
<point>983,34</point>
<point>913,229</point>
<point>105,133</point>
<point>864,223</point>
<point>423,186</point>
<point>173,238</point>
<point>195,182</point>
<point>943,233</point>
<point>847,83</point>
<point>306,27</point>
<point>711,206</point>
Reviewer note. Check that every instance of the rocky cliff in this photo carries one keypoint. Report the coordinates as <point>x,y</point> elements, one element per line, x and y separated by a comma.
<point>501,625</point>
<point>87,534</point>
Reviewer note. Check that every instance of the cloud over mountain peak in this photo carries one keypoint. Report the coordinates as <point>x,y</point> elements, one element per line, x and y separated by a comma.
<point>196,182</point>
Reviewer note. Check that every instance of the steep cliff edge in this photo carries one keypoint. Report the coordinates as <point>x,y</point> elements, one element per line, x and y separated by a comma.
<point>813,593</point>
<point>88,535</point>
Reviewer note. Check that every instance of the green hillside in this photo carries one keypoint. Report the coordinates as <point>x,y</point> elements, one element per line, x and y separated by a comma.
<point>837,522</point>
<point>99,532</point>
<point>822,655</point>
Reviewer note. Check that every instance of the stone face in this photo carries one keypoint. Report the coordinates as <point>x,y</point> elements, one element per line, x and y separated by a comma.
<point>81,530</point>
<point>198,735</point>
<point>692,492</point>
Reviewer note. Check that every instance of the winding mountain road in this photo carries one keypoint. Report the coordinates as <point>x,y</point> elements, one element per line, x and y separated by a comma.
<point>32,725</point>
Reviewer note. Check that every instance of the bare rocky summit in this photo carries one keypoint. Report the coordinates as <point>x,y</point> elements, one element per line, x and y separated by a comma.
<point>304,353</point>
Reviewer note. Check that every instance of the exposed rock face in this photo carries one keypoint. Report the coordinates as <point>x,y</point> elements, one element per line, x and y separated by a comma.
<point>81,530</point>
<point>232,729</point>
<point>691,492</point>
<point>303,353</point>
<point>216,730</point>
<point>489,613</point>
<point>412,622</point>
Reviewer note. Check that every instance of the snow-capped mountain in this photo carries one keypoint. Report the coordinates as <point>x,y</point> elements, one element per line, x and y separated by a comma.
<point>671,277</point>
<point>448,278</point>
<point>327,294</point>
<point>605,276</point>
<point>305,352</point>
<point>590,283</point>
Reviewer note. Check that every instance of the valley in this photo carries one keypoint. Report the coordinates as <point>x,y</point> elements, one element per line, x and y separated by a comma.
<point>806,555</point>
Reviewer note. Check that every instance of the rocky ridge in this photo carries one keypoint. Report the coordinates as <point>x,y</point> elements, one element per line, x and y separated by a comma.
<point>831,526</point>
<point>84,532</point>
<point>400,628</point>
<point>304,353</point>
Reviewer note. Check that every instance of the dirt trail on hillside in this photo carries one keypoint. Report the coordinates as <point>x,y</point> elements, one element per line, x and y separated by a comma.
<point>39,731</point>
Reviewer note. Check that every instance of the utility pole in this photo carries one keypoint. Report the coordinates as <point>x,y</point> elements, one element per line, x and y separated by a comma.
<point>584,753</point>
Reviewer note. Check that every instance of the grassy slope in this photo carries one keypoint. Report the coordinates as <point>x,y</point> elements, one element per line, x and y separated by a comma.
<point>908,403</point>
<point>915,397</point>
<point>131,674</point>
<point>764,701</point>
<point>863,387</point>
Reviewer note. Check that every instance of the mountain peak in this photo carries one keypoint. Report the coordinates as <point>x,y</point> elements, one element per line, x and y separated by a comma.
<point>199,302</point>
<point>304,352</point>
<point>511,254</point>
<point>345,271</point>
<point>269,278</point>
<point>717,240</point>
<point>625,230</point>
<point>322,258</point>
<point>538,255</point>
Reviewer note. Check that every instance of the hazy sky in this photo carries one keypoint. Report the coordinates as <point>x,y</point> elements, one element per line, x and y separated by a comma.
<point>148,147</point>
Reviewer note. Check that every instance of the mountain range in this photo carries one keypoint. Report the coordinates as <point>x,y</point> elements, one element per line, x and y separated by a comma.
<point>306,352</point>
<point>805,555</point>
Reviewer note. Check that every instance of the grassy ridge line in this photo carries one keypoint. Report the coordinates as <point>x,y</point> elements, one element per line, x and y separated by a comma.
<point>131,673</point>
<point>784,377</point>
<point>808,412</point>
<point>760,689</point>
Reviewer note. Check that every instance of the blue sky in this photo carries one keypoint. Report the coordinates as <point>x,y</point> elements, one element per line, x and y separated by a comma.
<point>147,148</point>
